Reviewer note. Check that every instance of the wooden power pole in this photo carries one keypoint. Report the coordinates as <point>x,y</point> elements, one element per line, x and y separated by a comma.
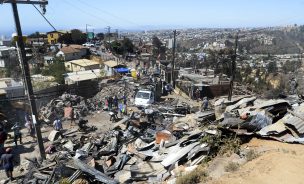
<point>233,67</point>
<point>26,71</point>
<point>173,60</point>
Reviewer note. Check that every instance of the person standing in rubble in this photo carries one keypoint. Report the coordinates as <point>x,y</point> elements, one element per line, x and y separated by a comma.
<point>57,124</point>
<point>69,114</point>
<point>124,98</point>
<point>3,137</point>
<point>17,133</point>
<point>7,163</point>
<point>205,104</point>
<point>115,102</point>
<point>30,127</point>
<point>110,103</point>
<point>197,94</point>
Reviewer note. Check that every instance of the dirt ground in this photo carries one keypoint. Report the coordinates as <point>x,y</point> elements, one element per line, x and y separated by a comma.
<point>278,163</point>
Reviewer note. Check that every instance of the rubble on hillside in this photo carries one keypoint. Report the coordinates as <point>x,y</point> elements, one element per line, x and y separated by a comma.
<point>137,149</point>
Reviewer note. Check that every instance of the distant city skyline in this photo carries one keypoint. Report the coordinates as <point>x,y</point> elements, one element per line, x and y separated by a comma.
<point>157,14</point>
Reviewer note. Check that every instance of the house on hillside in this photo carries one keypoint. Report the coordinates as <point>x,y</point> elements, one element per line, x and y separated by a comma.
<point>81,76</point>
<point>53,36</point>
<point>110,66</point>
<point>8,57</point>
<point>81,65</point>
<point>72,52</point>
<point>11,87</point>
<point>40,41</point>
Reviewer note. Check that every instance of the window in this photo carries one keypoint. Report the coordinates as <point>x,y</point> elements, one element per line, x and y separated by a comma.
<point>52,36</point>
<point>143,95</point>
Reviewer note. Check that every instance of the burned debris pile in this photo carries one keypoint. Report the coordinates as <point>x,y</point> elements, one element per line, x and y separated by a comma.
<point>82,107</point>
<point>150,144</point>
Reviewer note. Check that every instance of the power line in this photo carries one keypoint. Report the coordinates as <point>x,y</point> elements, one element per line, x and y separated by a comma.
<point>112,15</point>
<point>44,17</point>
<point>87,13</point>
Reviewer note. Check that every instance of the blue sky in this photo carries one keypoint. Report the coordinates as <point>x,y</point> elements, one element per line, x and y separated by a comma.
<point>144,14</point>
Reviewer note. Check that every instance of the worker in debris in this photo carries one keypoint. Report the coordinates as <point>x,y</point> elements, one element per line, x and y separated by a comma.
<point>30,127</point>
<point>113,115</point>
<point>57,124</point>
<point>82,124</point>
<point>110,102</point>
<point>205,104</point>
<point>197,94</point>
<point>165,89</point>
<point>28,122</point>
<point>17,133</point>
<point>3,137</point>
<point>115,102</point>
<point>169,88</point>
<point>7,163</point>
<point>69,114</point>
<point>124,98</point>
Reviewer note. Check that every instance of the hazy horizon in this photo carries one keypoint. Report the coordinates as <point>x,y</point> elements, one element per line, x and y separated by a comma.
<point>136,15</point>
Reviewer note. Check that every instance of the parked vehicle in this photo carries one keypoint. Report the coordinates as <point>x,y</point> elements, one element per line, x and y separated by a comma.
<point>144,98</point>
<point>88,44</point>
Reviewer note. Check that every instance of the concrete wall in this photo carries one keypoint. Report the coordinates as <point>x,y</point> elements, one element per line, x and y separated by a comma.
<point>109,71</point>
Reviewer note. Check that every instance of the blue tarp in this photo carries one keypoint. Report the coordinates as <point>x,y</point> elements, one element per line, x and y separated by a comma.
<point>122,70</point>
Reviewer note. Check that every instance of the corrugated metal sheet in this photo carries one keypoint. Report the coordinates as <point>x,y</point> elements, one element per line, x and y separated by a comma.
<point>269,103</point>
<point>275,128</point>
<point>296,122</point>
<point>241,102</point>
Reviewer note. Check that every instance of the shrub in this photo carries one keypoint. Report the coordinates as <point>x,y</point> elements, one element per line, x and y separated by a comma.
<point>231,167</point>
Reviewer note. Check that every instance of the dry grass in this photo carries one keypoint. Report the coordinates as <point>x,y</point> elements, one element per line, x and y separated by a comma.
<point>251,155</point>
<point>230,146</point>
<point>196,176</point>
<point>232,167</point>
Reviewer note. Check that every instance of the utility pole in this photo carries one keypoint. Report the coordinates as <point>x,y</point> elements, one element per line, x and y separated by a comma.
<point>26,71</point>
<point>109,31</point>
<point>173,60</point>
<point>116,36</point>
<point>87,32</point>
<point>233,67</point>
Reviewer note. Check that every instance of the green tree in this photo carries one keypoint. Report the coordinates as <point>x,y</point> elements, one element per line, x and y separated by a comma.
<point>122,47</point>
<point>158,47</point>
<point>36,35</point>
<point>66,39</point>
<point>78,37</point>
<point>156,42</point>
<point>56,69</point>
<point>128,45</point>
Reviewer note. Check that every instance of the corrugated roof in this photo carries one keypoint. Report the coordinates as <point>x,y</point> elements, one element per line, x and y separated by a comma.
<point>84,62</point>
<point>72,48</point>
<point>83,75</point>
<point>111,63</point>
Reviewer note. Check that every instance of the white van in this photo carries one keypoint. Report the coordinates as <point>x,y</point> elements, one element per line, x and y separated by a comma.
<point>144,98</point>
